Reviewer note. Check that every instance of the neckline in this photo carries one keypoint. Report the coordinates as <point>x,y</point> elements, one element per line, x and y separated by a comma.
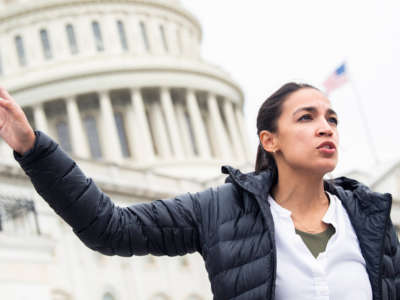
<point>319,234</point>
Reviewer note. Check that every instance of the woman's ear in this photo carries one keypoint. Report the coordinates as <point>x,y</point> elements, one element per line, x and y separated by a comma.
<point>269,141</point>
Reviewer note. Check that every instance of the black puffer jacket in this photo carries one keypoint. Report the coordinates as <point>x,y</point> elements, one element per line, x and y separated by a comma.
<point>231,225</point>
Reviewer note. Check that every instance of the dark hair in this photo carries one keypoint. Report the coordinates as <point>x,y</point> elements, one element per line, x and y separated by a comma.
<point>267,118</point>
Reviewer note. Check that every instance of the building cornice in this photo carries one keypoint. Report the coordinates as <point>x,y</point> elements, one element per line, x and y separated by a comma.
<point>14,11</point>
<point>21,84</point>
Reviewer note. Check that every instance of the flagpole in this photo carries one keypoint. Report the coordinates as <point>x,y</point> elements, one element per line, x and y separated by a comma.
<point>364,119</point>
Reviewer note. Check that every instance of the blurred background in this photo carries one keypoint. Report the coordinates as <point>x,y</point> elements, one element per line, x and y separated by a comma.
<point>151,97</point>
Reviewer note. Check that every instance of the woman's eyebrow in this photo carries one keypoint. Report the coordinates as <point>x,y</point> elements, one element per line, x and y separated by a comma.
<point>313,109</point>
<point>330,111</point>
<point>310,109</point>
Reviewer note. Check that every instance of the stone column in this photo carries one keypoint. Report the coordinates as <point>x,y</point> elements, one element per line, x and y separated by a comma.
<point>170,118</point>
<point>184,131</point>
<point>40,118</point>
<point>233,129</point>
<point>243,132</point>
<point>223,145</point>
<point>198,125</point>
<point>146,144</point>
<point>160,132</point>
<point>109,135</point>
<point>76,131</point>
<point>133,134</point>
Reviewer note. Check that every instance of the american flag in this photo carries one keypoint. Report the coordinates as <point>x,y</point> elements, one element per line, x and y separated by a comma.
<point>336,79</point>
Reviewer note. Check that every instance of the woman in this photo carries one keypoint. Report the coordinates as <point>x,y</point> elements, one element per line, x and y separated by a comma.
<point>281,232</point>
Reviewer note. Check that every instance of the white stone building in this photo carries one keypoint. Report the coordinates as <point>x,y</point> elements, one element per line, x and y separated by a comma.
<point>121,85</point>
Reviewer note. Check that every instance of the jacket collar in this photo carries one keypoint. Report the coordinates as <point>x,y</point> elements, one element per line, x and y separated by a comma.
<point>260,184</point>
<point>368,212</point>
<point>257,184</point>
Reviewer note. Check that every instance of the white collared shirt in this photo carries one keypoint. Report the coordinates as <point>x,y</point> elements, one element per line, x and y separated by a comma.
<point>338,273</point>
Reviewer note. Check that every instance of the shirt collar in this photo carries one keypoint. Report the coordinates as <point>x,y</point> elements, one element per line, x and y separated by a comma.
<point>329,217</point>
<point>277,209</point>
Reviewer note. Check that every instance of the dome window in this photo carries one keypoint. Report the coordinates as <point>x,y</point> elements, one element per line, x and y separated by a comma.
<point>19,44</point>
<point>44,36</point>
<point>73,45</point>
<point>97,36</point>
<point>144,36</point>
<point>122,35</point>
<point>164,38</point>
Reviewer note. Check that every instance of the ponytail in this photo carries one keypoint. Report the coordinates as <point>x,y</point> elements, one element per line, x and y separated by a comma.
<point>264,161</point>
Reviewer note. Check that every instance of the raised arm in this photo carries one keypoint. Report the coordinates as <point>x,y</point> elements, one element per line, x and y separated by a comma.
<point>163,227</point>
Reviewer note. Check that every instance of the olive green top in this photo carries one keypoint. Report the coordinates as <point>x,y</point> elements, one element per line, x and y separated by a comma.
<point>316,243</point>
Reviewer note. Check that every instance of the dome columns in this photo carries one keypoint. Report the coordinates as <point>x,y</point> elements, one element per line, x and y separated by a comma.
<point>243,133</point>
<point>79,143</point>
<point>171,120</point>
<point>235,134</point>
<point>111,144</point>
<point>222,145</point>
<point>149,124</point>
<point>200,134</point>
<point>145,147</point>
<point>40,117</point>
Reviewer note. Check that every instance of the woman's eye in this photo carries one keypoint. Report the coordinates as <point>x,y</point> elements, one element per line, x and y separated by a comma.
<point>333,120</point>
<point>305,117</point>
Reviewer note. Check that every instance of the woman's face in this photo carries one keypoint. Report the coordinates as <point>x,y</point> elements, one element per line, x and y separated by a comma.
<point>307,136</point>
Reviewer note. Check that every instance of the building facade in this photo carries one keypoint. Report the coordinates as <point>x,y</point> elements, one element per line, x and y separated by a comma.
<point>122,87</point>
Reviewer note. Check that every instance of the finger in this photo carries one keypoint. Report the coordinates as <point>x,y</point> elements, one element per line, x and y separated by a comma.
<point>5,103</point>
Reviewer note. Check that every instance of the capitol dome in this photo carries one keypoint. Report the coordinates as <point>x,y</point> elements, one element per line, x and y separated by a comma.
<point>122,87</point>
<point>122,82</point>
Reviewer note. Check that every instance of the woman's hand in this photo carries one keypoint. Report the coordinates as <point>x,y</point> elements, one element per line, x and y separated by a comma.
<point>14,126</point>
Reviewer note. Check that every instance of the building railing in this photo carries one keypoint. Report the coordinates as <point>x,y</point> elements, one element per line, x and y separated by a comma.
<point>18,216</point>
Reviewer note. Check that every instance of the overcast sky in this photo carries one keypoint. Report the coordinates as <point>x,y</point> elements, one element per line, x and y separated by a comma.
<point>264,44</point>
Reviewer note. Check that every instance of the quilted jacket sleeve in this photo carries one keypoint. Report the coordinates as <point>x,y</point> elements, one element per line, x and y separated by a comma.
<point>163,227</point>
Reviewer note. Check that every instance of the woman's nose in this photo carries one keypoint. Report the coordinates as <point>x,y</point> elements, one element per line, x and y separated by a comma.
<point>324,129</point>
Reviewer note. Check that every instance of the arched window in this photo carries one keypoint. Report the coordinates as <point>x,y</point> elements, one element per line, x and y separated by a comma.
<point>93,136</point>
<point>44,37</point>
<point>97,36</point>
<point>108,296</point>
<point>164,38</point>
<point>19,44</point>
<point>119,121</point>
<point>122,35</point>
<point>63,136</point>
<point>73,45</point>
<point>144,36</point>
